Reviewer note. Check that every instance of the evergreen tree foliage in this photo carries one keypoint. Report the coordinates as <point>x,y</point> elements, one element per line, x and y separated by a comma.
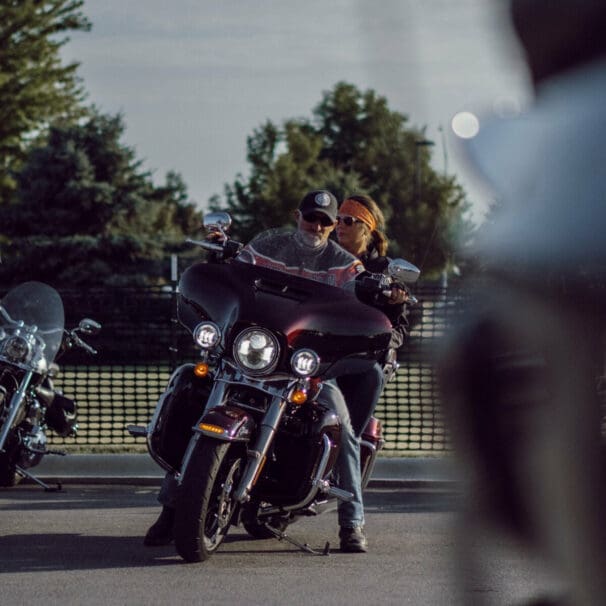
<point>85,213</point>
<point>352,143</point>
<point>35,87</point>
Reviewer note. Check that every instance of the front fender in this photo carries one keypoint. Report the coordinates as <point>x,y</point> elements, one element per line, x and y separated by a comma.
<point>228,423</point>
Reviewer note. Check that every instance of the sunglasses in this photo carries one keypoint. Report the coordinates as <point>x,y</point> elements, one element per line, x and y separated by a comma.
<point>349,221</point>
<point>323,220</point>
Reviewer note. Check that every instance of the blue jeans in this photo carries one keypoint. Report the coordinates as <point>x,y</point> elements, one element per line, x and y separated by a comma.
<point>362,392</point>
<point>347,468</point>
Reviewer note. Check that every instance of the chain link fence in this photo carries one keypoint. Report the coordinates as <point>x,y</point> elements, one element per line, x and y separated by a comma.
<point>141,342</point>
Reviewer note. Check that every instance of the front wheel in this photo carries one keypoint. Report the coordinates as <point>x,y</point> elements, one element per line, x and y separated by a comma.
<point>205,503</point>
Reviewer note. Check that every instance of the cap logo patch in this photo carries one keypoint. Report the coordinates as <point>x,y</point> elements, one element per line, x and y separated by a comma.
<point>322,199</point>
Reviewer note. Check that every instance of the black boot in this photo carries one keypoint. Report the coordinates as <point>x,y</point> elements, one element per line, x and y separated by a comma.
<point>161,531</point>
<point>353,540</point>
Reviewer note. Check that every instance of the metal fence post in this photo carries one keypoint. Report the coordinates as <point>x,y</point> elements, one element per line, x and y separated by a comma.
<point>174,281</point>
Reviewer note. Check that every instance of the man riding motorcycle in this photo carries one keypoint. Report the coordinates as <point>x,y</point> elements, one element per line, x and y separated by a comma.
<point>310,253</point>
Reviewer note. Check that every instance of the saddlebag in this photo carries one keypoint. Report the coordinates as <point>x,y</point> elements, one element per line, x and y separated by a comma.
<point>177,411</point>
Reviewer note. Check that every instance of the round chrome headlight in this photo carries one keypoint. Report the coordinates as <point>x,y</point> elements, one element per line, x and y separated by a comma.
<point>256,350</point>
<point>16,349</point>
<point>207,335</point>
<point>305,362</point>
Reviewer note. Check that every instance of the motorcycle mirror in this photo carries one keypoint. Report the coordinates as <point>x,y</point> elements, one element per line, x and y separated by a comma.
<point>89,327</point>
<point>217,221</point>
<point>402,271</point>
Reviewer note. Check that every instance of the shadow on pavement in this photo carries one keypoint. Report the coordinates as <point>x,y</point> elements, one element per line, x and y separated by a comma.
<point>91,527</point>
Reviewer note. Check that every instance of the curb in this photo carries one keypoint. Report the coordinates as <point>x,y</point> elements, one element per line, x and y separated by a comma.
<point>418,473</point>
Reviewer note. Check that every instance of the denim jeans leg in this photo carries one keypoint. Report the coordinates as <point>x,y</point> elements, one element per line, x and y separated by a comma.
<point>362,392</point>
<point>347,466</point>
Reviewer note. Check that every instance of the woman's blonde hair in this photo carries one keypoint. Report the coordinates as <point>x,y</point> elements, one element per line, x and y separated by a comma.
<point>378,239</point>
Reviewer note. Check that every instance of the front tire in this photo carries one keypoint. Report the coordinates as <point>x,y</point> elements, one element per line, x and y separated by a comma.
<point>205,503</point>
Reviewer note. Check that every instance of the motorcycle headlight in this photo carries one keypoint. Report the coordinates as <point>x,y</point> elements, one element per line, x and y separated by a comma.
<point>207,335</point>
<point>305,362</point>
<point>256,350</point>
<point>16,349</point>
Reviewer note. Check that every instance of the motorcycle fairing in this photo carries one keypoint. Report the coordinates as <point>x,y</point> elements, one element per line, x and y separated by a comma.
<point>333,322</point>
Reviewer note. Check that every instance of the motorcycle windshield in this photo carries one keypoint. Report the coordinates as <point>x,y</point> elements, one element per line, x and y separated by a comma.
<point>34,308</point>
<point>291,253</point>
<point>274,284</point>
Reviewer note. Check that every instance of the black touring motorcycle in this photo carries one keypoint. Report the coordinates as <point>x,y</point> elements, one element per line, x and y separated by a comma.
<point>242,428</point>
<point>32,338</point>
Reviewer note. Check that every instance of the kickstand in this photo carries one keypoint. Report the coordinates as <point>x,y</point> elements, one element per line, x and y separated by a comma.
<point>282,536</point>
<point>33,478</point>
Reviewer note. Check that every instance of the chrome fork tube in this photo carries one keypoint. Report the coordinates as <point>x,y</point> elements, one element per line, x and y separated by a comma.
<point>258,453</point>
<point>14,408</point>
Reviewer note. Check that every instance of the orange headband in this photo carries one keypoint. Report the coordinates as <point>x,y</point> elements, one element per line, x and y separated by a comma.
<point>359,211</point>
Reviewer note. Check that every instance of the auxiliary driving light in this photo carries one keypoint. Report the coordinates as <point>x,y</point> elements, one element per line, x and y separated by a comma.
<point>305,362</point>
<point>207,335</point>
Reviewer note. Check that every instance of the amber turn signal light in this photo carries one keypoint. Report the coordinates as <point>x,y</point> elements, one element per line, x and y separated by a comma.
<point>298,396</point>
<point>201,369</point>
<point>211,428</point>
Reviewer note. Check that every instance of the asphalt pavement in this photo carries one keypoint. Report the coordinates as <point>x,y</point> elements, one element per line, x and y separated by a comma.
<point>83,545</point>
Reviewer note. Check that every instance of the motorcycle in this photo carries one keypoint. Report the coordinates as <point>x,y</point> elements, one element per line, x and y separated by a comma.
<point>32,336</point>
<point>242,429</point>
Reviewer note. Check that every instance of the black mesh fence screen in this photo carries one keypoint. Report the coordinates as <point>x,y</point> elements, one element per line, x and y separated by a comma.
<point>141,342</point>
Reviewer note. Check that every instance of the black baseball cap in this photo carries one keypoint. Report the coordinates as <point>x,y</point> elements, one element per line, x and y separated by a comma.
<point>319,201</point>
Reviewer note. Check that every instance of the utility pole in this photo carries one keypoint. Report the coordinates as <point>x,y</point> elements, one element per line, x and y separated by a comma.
<point>418,144</point>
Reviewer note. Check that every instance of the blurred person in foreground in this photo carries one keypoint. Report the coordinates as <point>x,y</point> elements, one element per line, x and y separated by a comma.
<point>518,376</point>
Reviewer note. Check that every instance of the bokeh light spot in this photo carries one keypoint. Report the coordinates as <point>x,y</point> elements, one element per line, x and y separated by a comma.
<point>465,125</point>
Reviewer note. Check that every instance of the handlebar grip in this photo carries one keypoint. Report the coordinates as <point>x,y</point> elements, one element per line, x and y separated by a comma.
<point>85,346</point>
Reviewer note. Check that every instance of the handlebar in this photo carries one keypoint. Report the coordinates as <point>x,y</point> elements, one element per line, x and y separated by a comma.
<point>206,245</point>
<point>227,248</point>
<point>74,339</point>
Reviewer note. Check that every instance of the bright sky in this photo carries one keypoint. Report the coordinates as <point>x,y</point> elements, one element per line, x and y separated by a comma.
<point>193,78</point>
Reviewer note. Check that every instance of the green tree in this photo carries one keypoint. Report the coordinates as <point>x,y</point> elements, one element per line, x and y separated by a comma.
<point>35,87</point>
<point>85,213</point>
<point>353,143</point>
